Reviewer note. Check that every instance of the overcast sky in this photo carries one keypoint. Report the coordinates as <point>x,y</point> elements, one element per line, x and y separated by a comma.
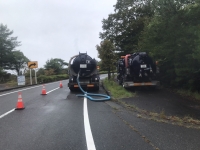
<point>55,28</point>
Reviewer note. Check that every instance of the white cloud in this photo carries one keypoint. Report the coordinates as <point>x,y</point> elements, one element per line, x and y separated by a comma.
<point>56,29</point>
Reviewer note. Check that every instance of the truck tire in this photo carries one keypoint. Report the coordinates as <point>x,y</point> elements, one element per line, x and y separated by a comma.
<point>120,82</point>
<point>96,88</point>
<point>72,89</point>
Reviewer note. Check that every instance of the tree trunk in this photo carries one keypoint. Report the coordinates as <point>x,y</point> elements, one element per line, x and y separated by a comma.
<point>17,70</point>
<point>109,76</point>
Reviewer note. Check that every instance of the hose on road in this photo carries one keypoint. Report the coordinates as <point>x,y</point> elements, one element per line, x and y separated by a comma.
<point>88,95</point>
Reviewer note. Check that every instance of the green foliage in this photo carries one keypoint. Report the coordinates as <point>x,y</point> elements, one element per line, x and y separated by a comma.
<point>64,71</point>
<point>103,72</point>
<point>46,79</point>
<point>56,64</point>
<point>116,90</point>
<point>186,93</point>
<point>27,73</point>
<point>7,45</point>
<point>168,30</point>
<point>49,72</point>
<point>107,55</point>
<point>124,27</point>
<point>175,40</point>
<point>18,62</point>
<point>4,76</point>
<point>11,83</point>
<point>41,71</point>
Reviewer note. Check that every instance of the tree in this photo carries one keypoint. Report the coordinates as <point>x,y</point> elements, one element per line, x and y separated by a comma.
<point>19,61</point>
<point>49,72</point>
<point>101,67</point>
<point>56,64</point>
<point>169,8</point>
<point>172,36</point>
<point>106,52</point>
<point>124,27</point>
<point>7,45</point>
<point>41,71</point>
<point>4,75</point>
<point>168,30</point>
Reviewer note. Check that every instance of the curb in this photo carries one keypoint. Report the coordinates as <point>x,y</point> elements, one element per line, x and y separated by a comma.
<point>107,92</point>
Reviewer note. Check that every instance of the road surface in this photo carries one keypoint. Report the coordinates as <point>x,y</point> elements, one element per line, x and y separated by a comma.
<point>62,121</point>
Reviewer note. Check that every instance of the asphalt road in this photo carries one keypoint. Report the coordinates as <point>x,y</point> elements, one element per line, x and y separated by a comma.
<point>56,121</point>
<point>62,121</point>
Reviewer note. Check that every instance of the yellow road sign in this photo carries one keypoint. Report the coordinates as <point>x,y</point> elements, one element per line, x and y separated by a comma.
<point>32,64</point>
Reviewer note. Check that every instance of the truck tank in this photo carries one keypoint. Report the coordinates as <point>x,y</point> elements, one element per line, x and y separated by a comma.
<point>86,67</point>
<point>137,69</point>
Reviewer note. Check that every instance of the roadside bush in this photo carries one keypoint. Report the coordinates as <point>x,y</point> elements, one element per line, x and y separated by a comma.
<point>45,79</point>
<point>103,72</point>
<point>106,72</point>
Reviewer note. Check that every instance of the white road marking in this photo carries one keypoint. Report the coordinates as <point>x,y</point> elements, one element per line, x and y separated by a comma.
<point>53,90</point>
<point>88,132</point>
<point>23,89</point>
<point>20,90</point>
<point>7,113</point>
<point>3,115</point>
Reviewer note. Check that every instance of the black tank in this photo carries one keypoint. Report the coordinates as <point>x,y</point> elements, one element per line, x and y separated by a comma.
<point>141,64</point>
<point>84,65</point>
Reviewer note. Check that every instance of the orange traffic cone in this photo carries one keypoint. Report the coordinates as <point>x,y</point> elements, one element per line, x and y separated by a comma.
<point>61,84</point>
<point>20,104</point>
<point>43,91</point>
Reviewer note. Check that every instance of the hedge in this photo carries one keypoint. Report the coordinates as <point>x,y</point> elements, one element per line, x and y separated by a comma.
<point>45,79</point>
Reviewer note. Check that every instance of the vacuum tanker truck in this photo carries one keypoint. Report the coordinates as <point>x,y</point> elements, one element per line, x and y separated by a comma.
<point>137,69</point>
<point>86,67</point>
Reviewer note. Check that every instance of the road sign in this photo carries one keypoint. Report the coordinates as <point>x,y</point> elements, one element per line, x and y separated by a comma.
<point>21,80</point>
<point>32,64</point>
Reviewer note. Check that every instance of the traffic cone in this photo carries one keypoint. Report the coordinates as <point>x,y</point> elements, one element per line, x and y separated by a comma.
<point>61,84</point>
<point>20,104</point>
<point>43,91</point>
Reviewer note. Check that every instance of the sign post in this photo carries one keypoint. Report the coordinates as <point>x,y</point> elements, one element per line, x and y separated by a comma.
<point>30,77</point>
<point>31,65</point>
<point>35,77</point>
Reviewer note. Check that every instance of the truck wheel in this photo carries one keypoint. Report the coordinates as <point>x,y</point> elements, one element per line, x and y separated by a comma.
<point>72,89</point>
<point>120,82</point>
<point>96,88</point>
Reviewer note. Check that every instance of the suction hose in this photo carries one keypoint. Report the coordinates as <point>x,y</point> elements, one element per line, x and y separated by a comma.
<point>88,95</point>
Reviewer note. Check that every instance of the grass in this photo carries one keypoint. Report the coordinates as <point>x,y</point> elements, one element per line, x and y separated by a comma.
<point>162,114</point>
<point>103,72</point>
<point>186,121</point>
<point>187,93</point>
<point>11,84</point>
<point>116,90</point>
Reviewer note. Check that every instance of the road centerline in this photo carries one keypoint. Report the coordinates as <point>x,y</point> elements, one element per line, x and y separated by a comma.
<point>88,132</point>
<point>53,90</point>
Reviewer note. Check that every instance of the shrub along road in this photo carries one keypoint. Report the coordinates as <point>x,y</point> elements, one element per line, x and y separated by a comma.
<point>57,121</point>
